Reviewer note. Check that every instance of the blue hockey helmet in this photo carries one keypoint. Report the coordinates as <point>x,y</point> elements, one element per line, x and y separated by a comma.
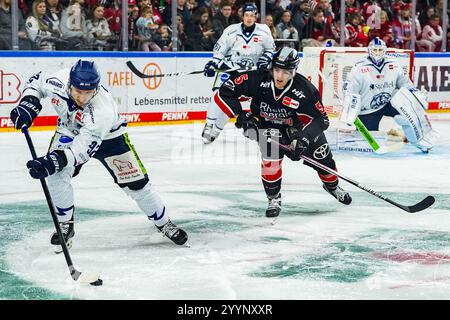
<point>250,7</point>
<point>377,50</point>
<point>84,75</point>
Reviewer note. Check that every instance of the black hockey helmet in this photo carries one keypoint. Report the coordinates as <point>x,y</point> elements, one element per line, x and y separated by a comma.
<point>285,58</point>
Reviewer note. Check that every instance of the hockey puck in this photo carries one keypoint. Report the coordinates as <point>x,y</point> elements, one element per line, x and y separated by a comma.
<point>97,283</point>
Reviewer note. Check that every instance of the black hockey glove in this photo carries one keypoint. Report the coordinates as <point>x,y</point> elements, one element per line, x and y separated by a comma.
<point>299,142</point>
<point>249,124</point>
<point>263,62</point>
<point>27,110</point>
<point>210,69</point>
<point>45,166</point>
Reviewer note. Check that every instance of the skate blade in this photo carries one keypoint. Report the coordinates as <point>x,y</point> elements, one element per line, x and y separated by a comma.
<point>58,248</point>
<point>187,244</point>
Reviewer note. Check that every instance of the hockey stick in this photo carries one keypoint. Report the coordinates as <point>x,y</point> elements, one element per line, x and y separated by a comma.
<point>363,130</point>
<point>92,279</point>
<point>176,74</point>
<point>422,205</point>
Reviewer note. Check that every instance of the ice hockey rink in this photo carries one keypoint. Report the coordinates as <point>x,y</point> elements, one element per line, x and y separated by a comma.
<point>318,248</point>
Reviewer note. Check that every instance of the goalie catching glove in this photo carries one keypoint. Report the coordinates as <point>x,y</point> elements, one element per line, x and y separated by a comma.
<point>299,142</point>
<point>249,124</point>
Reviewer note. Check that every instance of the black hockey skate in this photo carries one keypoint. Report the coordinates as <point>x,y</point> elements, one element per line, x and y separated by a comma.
<point>274,207</point>
<point>340,194</point>
<point>171,231</point>
<point>68,232</point>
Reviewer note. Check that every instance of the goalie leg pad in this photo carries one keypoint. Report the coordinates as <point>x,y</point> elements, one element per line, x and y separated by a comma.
<point>412,116</point>
<point>351,108</point>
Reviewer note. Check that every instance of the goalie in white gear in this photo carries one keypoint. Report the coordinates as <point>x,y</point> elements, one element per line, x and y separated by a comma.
<point>88,127</point>
<point>242,45</point>
<point>378,87</point>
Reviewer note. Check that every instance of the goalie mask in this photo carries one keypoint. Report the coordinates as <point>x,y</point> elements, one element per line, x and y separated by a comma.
<point>377,50</point>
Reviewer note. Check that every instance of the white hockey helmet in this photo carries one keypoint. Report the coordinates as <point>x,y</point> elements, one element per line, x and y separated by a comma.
<point>377,50</point>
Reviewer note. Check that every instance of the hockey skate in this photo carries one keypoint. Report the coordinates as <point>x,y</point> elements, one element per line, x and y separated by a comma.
<point>274,207</point>
<point>171,231</point>
<point>68,232</point>
<point>340,194</point>
<point>210,133</point>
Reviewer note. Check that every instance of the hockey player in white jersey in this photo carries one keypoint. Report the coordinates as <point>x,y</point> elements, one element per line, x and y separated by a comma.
<point>242,45</point>
<point>88,126</point>
<point>378,87</point>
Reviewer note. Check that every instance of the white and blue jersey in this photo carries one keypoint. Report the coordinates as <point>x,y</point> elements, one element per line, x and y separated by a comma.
<point>376,84</point>
<point>237,47</point>
<point>87,127</point>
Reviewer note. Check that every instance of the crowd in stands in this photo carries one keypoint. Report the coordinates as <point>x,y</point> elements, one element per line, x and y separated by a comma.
<point>96,24</point>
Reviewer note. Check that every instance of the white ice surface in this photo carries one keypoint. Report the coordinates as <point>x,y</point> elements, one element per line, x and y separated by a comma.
<point>193,180</point>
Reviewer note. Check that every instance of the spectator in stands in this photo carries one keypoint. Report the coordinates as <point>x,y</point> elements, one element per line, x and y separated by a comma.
<point>276,11</point>
<point>269,23</point>
<point>214,7</point>
<point>98,31</point>
<point>222,19</point>
<point>370,8</point>
<point>156,14</point>
<point>133,36</point>
<point>113,14</point>
<point>200,32</point>
<point>383,30</point>
<point>164,38</point>
<point>182,37</point>
<point>73,25</point>
<point>147,29</point>
<point>433,33</point>
<point>425,15</point>
<point>316,32</point>
<point>6,28</point>
<point>354,32</point>
<point>301,16</point>
<point>182,10</point>
<point>402,28</point>
<point>54,11</point>
<point>38,27</point>
<point>286,30</point>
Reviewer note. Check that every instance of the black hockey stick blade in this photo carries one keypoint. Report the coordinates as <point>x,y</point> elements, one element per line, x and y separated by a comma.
<point>422,205</point>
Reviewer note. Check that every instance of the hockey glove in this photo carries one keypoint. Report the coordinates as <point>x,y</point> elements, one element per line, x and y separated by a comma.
<point>45,166</point>
<point>210,68</point>
<point>263,63</point>
<point>299,143</point>
<point>249,124</point>
<point>27,110</point>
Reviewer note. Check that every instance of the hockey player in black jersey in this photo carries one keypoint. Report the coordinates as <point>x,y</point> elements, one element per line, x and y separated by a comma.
<point>287,108</point>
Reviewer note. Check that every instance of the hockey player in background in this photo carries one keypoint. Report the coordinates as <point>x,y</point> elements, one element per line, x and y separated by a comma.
<point>377,86</point>
<point>242,45</point>
<point>287,108</point>
<point>88,127</point>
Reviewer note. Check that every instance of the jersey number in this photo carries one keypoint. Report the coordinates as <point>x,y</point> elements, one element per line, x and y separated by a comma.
<point>240,79</point>
<point>92,149</point>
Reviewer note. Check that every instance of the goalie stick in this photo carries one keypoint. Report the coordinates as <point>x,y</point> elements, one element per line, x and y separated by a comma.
<point>91,278</point>
<point>422,205</point>
<point>363,130</point>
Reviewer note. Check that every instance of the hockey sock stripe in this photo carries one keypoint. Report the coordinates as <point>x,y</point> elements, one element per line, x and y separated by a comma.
<point>271,171</point>
<point>223,106</point>
<point>127,141</point>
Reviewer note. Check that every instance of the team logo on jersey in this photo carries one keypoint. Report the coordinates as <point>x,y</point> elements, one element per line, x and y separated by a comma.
<point>55,82</point>
<point>392,66</point>
<point>290,103</point>
<point>265,84</point>
<point>320,107</point>
<point>365,70</point>
<point>55,102</point>
<point>256,39</point>
<point>322,152</point>
<point>299,93</point>
<point>380,100</point>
